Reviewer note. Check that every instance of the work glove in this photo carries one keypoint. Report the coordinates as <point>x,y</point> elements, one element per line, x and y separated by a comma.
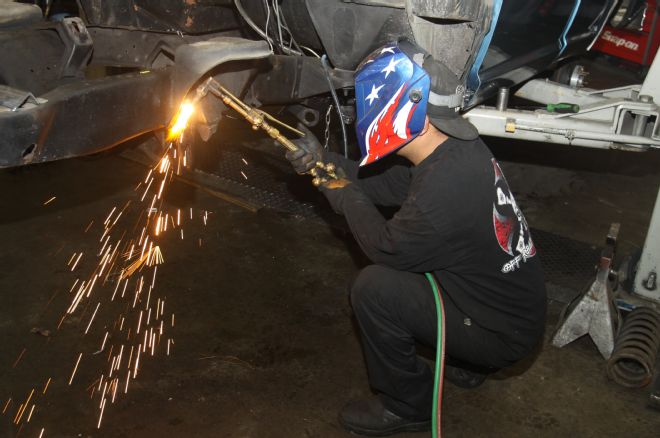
<point>309,151</point>
<point>340,193</point>
<point>335,184</point>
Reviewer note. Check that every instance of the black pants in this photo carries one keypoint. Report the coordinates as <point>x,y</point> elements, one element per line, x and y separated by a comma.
<point>395,309</point>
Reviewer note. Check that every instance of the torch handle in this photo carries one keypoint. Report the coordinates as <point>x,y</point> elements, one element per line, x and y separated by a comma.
<point>258,121</point>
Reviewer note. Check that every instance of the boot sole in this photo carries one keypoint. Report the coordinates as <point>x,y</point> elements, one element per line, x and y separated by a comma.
<point>421,426</point>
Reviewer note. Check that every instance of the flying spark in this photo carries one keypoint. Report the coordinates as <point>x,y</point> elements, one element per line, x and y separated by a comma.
<point>126,255</point>
<point>74,369</point>
<point>46,386</point>
<point>4,409</point>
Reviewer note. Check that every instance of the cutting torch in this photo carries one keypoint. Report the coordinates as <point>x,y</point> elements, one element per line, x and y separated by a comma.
<point>321,172</point>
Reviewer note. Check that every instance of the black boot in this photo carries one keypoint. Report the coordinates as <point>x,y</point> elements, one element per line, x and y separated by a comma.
<point>463,377</point>
<point>370,417</point>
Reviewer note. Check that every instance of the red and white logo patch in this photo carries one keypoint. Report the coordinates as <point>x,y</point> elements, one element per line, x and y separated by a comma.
<point>511,229</point>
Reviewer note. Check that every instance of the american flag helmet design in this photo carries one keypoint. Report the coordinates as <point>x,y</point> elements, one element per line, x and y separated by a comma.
<point>391,91</point>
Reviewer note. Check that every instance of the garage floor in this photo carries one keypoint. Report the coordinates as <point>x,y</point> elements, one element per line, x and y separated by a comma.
<point>264,342</point>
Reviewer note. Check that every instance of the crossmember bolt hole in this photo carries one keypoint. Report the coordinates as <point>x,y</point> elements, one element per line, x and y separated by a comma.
<point>28,153</point>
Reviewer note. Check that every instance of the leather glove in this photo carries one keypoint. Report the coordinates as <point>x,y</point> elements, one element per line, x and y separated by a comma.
<point>335,184</point>
<point>310,151</point>
<point>337,191</point>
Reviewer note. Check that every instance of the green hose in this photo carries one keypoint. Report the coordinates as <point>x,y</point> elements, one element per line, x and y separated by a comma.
<point>439,358</point>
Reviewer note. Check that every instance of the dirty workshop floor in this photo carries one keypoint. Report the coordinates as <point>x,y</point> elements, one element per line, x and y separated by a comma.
<point>264,342</point>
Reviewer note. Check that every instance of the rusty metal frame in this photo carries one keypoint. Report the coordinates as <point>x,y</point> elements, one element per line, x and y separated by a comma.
<point>85,117</point>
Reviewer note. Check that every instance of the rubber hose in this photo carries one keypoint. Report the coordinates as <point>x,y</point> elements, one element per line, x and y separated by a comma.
<point>439,359</point>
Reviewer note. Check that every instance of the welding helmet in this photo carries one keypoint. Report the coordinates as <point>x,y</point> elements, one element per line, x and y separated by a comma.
<point>396,87</point>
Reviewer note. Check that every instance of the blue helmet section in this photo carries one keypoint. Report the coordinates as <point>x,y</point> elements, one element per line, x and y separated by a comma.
<point>392,93</point>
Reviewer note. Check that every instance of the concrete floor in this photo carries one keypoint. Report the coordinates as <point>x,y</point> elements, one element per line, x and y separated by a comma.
<point>265,344</point>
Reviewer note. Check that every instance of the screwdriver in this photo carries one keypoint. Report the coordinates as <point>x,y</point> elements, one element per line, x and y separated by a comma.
<point>559,108</point>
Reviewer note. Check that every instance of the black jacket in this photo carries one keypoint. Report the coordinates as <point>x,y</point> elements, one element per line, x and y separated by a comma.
<point>459,220</point>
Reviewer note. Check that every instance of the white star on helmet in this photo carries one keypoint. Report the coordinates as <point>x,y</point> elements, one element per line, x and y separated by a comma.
<point>374,94</point>
<point>391,67</point>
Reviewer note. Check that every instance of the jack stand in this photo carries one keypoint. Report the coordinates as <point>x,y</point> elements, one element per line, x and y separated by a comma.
<point>594,314</point>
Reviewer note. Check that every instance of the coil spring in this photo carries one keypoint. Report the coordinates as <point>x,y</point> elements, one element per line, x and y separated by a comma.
<point>636,348</point>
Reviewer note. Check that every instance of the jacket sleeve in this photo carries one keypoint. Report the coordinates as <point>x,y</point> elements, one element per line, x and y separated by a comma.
<point>388,189</point>
<point>406,242</point>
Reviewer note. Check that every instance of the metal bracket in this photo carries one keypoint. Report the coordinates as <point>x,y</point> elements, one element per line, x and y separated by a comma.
<point>193,61</point>
<point>610,119</point>
<point>12,99</point>
<point>594,313</point>
<point>619,118</point>
<point>77,46</point>
<point>293,78</point>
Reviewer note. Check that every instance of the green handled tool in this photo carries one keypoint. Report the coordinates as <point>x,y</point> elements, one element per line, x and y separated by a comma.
<point>562,108</point>
<point>558,108</point>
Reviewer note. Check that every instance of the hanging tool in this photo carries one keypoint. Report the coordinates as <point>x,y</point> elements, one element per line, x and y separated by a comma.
<point>322,172</point>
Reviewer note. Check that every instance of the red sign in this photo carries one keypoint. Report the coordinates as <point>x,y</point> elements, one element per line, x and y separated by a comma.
<point>638,46</point>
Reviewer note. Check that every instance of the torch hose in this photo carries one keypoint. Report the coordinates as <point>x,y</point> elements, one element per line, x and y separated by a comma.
<point>439,359</point>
